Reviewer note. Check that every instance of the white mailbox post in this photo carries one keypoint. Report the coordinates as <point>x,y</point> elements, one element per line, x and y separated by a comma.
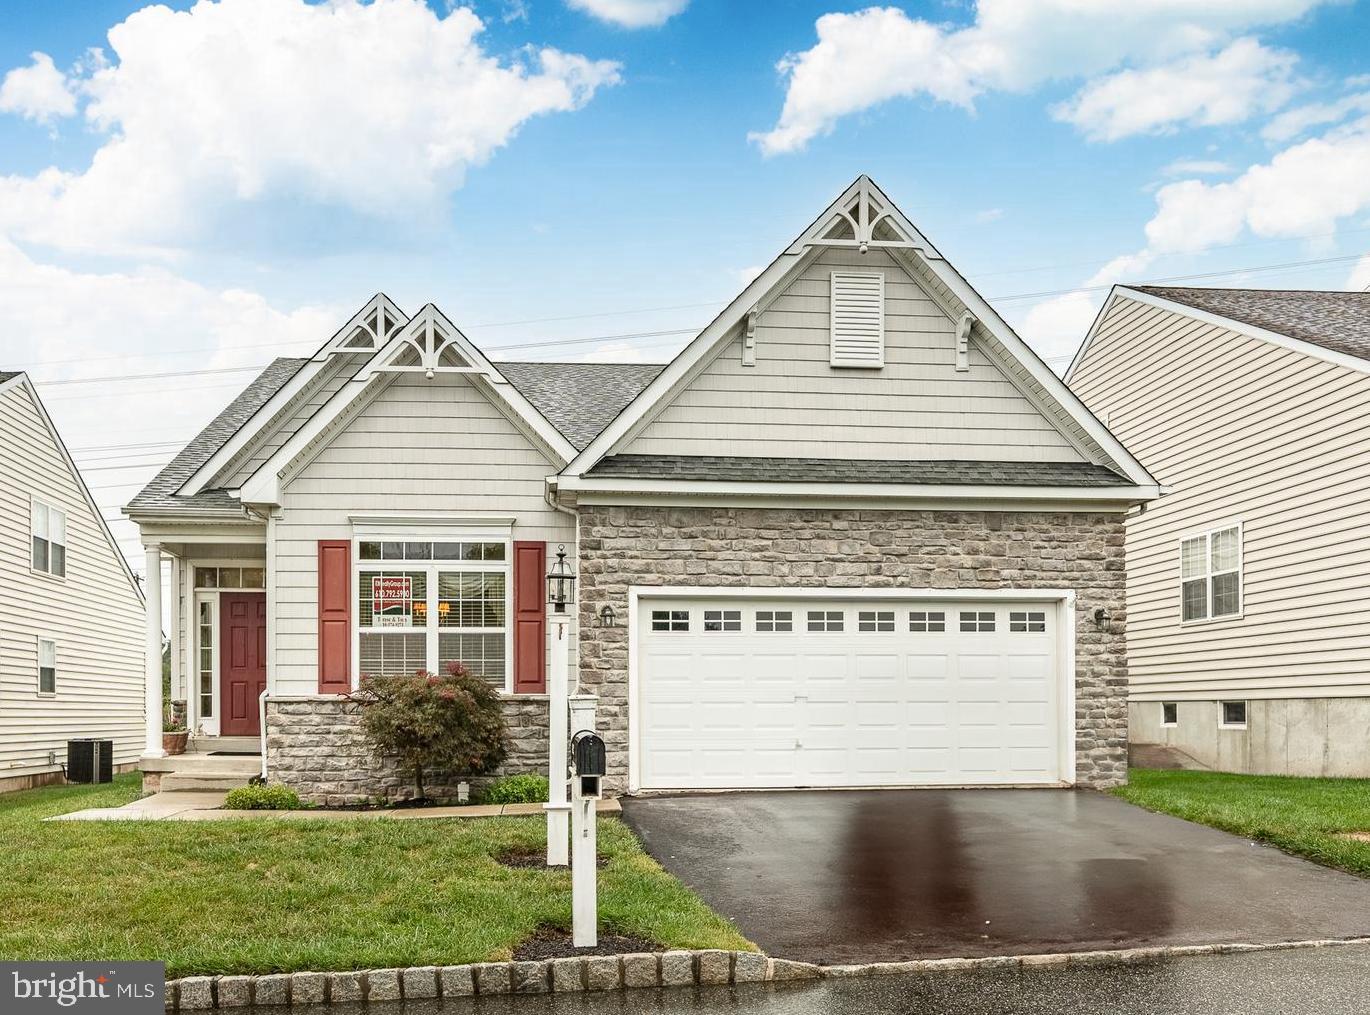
<point>558,680</point>
<point>588,751</point>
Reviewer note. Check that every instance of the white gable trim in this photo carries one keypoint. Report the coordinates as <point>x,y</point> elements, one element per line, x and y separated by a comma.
<point>706,344</point>
<point>21,380</point>
<point>264,485</point>
<point>257,423</point>
<point>1120,292</point>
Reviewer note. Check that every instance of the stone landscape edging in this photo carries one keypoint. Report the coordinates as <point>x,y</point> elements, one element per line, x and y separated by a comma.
<point>707,967</point>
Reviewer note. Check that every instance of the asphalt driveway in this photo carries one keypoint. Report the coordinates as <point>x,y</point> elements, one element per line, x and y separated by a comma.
<point>866,876</point>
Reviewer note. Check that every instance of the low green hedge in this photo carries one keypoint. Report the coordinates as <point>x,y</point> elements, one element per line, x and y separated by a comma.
<point>262,798</point>
<point>516,789</point>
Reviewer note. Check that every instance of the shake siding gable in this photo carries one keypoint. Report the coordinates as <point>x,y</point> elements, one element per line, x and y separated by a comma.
<point>429,447</point>
<point>793,403</point>
<point>1245,431</point>
<point>93,615</point>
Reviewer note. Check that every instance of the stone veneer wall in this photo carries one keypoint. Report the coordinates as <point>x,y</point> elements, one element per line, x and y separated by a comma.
<point>314,745</point>
<point>639,545</point>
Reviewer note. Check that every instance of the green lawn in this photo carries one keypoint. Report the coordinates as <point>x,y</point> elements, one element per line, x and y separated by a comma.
<point>1300,816</point>
<point>256,896</point>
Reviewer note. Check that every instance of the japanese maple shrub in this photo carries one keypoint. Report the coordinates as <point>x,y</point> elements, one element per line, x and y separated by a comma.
<point>448,723</point>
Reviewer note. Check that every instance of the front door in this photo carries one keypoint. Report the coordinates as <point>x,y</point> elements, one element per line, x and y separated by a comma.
<point>242,665</point>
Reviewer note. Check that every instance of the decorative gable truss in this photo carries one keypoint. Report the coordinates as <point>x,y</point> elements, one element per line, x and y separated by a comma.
<point>368,330</point>
<point>429,344</point>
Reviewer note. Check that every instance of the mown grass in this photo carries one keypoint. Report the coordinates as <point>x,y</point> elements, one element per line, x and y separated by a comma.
<point>1300,816</point>
<point>257,895</point>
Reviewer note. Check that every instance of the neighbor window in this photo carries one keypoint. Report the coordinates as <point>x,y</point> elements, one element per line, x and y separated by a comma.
<point>1029,621</point>
<point>1211,575</point>
<point>431,608</point>
<point>722,620</point>
<point>875,620</point>
<point>48,527</point>
<point>47,666</point>
<point>923,621</point>
<point>774,620</point>
<point>1170,713</point>
<point>825,620</point>
<point>977,620</point>
<point>670,620</point>
<point>1232,715</point>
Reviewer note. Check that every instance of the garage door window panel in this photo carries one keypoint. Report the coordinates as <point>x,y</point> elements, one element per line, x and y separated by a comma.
<point>825,620</point>
<point>670,620</point>
<point>981,621</point>
<point>722,620</point>
<point>774,621</point>
<point>875,620</point>
<point>926,622</point>
<point>1027,622</point>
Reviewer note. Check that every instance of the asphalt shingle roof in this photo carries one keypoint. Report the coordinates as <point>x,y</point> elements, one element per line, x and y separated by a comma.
<point>7,374</point>
<point>844,470</point>
<point>1339,321</point>
<point>580,399</point>
<point>160,494</point>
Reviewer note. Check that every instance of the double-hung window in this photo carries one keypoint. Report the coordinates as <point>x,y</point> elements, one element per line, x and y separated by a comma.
<point>1211,574</point>
<point>422,604</point>
<point>48,528</point>
<point>47,666</point>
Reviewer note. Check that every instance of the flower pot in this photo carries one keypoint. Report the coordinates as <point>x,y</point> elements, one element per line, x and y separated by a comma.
<point>175,743</point>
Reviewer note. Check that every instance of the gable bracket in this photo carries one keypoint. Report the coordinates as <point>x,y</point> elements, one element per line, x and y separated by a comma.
<point>963,341</point>
<point>749,339</point>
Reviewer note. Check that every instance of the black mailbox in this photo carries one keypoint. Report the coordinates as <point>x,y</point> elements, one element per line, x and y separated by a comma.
<point>589,761</point>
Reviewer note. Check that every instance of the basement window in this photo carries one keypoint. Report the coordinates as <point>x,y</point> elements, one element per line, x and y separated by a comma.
<point>1170,714</point>
<point>1232,715</point>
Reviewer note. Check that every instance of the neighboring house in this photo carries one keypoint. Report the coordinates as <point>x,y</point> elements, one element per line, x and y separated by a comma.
<point>1248,642</point>
<point>71,613</point>
<point>855,534</point>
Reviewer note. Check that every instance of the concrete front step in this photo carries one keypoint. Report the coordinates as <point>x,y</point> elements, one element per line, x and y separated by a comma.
<point>183,782</point>
<point>196,764</point>
<point>241,745</point>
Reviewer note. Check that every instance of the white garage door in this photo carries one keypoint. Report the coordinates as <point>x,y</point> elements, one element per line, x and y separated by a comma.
<point>757,693</point>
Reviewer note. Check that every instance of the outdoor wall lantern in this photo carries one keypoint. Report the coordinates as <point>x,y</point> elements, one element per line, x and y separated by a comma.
<point>607,616</point>
<point>1101,618</point>
<point>561,581</point>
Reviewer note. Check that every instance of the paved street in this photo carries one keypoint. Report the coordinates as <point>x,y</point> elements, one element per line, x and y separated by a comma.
<point>1329,981</point>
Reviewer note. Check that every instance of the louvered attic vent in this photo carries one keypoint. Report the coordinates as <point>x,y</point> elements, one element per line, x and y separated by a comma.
<point>858,319</point>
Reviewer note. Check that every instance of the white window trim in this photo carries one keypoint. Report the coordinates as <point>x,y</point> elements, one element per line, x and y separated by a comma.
<point>1207,536</point>
<point>1246,709</point>
<point>38,670</point>
<point>444,535</point>
<point>36,502</point>
<point>1170,725</point>
<point>641,596</point>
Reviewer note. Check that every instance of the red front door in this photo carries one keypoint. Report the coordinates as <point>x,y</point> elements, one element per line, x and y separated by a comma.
<point>242,661</point>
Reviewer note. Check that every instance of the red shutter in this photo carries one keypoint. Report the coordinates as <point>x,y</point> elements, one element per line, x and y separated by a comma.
<point>335,616</point>
<point>530,618</point>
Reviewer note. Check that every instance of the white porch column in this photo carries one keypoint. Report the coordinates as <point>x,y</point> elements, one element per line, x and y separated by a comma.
<point>153,590</point>
<point>558,681</point>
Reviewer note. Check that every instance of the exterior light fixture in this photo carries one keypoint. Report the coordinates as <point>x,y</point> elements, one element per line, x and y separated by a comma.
<point>1102,618</point>
<point>561,582</point>
<point>607,617</point>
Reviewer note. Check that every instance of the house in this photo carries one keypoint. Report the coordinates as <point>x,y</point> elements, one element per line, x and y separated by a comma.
<point>854,534</point>
<point>1247,584</point>
<point>71,613</point>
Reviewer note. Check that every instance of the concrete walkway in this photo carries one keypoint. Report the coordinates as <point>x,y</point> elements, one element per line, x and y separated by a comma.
<point>208,806</point>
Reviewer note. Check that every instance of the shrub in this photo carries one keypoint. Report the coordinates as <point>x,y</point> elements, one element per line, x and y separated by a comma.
<point>262,798</point>
<point>516,789</point>
<point>452,723</point>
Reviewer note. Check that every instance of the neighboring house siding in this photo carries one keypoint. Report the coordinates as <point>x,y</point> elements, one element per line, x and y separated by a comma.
<point>93,614</point>
<point>420,446</point>
<point>793,403</point>
<point>1245,431</point>
<point>781,547</point>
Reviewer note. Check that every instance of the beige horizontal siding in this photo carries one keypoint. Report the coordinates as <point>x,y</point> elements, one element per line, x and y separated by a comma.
<point>794,404</point>
<point>93,614</point>
<point>420,446</point>
<point>1242,431</point>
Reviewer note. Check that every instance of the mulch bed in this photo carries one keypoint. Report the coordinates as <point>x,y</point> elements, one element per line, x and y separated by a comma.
<point>551,943</point>
<point>535,858</point>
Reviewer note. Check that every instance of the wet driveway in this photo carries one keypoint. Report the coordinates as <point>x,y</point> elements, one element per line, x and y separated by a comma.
<point>858,876</point>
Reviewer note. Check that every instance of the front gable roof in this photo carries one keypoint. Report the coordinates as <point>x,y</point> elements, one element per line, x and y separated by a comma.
<point>864,218</point>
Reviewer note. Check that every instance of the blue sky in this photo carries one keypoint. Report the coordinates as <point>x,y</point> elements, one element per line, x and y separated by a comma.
<point>229,181</point>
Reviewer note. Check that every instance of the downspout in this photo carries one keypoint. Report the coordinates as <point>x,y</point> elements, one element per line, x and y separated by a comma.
<point>261,718</point>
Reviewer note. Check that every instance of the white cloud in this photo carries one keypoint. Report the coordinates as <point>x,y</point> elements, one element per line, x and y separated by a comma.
<point>1197,167</point>
<point>37,92</point>
<point>631,13</point>
<point>1291,124</point>
<point>1199,91</point>
<point>380,107</point>
<point>1359,279</point>
<point>870,56</point>
<point>989,215</point>
<point>1055,327</point>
